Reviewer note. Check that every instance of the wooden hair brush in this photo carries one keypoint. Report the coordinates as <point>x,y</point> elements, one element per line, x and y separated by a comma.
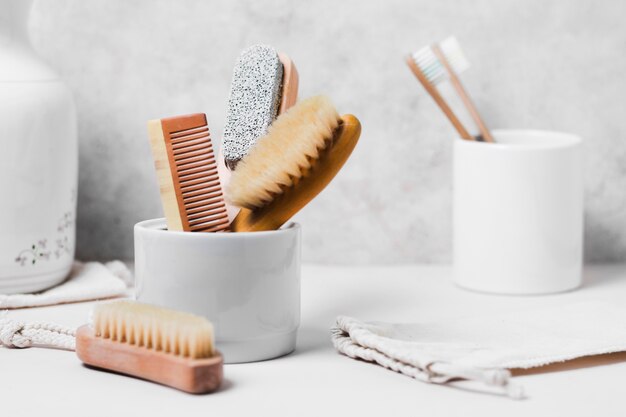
<point>164,346</point>
<point>301,153</point>
<point>187,171</point>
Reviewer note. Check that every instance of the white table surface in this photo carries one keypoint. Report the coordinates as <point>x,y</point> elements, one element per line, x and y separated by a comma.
<point>315,380</point>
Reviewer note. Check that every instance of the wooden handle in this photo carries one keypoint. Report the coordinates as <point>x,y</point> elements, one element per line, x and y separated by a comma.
<point>196,376</point>
<point>289,94</point>
<point>313,181</point>
<point>432,90</point>
<point>469,104</point>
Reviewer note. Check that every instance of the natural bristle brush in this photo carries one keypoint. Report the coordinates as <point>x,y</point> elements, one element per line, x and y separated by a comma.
<point>187,172</point>
<point>435,64</point>
<point>264,84</point>
<point>301,153</point>
<point>164,346</point>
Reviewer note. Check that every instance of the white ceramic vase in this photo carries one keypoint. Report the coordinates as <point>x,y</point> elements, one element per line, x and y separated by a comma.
<point>38,162</point>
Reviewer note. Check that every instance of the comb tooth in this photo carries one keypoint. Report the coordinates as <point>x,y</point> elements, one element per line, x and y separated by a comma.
<point>190,148</point>
<point>204,174</point>
<point>182,162</point>
<point>193,171</point>
<point>193,196</point>
<point>206,211</point>
<point>193,167</point>
<point>198,186</point>
<point>189,131</point>
<point>183,145</point>
<point>209,220</point>
<point>193,206</point>
<point>190,184</point>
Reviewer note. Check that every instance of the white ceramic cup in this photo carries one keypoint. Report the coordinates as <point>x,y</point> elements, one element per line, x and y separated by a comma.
<point>246,284</point>
<point>518,213</point>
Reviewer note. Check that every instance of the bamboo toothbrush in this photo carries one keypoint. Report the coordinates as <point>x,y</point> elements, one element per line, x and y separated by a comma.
<point>301,153</point>
<point>451,55</point>
<point>429,72</point>
<point>187,171</point>
<point>433,65</point>
<point>164,346</point>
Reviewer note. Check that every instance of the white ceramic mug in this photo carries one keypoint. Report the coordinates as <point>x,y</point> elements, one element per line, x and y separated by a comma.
<point>246,284</point>
<point>518,213</point>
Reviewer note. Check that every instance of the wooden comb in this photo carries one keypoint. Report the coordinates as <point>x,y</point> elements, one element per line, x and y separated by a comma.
<point>189,182</point>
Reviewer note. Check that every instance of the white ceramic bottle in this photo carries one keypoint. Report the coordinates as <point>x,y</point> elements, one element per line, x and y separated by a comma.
<point>38,162</point>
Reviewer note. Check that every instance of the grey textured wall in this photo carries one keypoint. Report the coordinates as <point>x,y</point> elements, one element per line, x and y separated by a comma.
<point>536,64</point>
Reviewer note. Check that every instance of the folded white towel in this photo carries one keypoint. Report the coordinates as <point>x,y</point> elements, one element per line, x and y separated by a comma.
<point>484,348</point>
<point>87,281</point>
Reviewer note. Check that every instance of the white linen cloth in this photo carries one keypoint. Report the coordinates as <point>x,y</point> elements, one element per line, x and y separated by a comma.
<point>484,348</point>
<point>87,281</point>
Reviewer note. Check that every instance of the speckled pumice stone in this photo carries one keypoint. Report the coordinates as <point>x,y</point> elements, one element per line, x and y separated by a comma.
<point>254,100</point>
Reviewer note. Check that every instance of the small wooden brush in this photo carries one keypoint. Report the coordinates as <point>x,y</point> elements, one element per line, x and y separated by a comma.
<point>301,153</point>
<point>164,346</point>
<point>187,171</point>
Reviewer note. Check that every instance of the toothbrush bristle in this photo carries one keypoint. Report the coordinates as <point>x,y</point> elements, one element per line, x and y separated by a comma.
<point>433,69</point>
<point>430,66</point>
<point>454,54</point>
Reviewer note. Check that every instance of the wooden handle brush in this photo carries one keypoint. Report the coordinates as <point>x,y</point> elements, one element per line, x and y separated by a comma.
<point>301,153</point>
<point>164,346</point>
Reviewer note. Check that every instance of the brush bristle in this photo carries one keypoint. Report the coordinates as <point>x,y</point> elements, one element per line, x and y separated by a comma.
<point>254,100</point>
<point>155,328</point>
<point>430,65</point>
<point>454,54</point>
<point>292,144</point>
<point>433,69</point>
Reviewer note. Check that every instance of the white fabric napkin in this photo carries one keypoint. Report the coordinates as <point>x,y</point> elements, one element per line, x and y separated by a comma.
<point>87,281</point>
<point>484,348</point>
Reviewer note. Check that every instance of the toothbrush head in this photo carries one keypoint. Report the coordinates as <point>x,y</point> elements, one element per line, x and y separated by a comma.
<point>254,100</point>
<point>432,68</point>
<point>454,54</point>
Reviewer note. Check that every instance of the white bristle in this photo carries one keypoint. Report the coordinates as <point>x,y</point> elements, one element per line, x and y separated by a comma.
<point>155,328</point>
<point>432,67</point>
<point>454,54</point>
